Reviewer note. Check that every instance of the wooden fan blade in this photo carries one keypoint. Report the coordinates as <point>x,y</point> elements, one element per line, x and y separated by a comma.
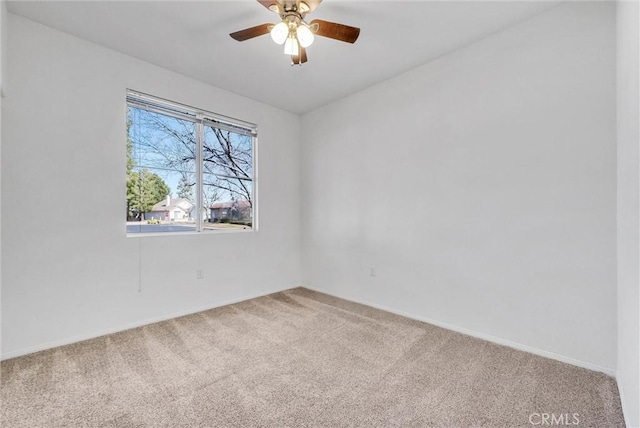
<point>344,33</point>
<point>299,59</point>
<point>250,33</point>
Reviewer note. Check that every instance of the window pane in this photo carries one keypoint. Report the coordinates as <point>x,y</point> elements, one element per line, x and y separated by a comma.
<point>227,179</point>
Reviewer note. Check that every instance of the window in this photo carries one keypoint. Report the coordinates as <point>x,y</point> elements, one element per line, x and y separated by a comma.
<point>188,170</point>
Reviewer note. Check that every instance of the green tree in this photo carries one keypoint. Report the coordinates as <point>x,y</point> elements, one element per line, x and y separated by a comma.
<point>144,190</point>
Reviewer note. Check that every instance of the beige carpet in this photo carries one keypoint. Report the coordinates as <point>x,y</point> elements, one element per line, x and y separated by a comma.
<point>299,359</point>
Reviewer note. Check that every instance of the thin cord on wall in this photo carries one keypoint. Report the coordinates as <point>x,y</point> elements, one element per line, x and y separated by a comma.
<point>139,265</point>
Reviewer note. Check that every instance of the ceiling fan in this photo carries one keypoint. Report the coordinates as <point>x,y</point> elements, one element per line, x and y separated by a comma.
<point>293,31</point>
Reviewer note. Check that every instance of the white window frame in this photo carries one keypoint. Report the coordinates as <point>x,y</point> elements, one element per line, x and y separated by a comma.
<point>201,118</point>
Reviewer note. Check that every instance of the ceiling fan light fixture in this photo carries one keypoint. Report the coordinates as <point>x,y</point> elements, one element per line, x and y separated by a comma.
<point>291,46</point>
<point>293,31</point>
<point>280,32</point>
<point>305,36</point>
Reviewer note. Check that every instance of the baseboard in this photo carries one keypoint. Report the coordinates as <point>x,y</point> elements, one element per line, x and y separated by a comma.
<point>99,333</point>
<point>624,407</point>
<point>479,335</point>
<point>624,412</point>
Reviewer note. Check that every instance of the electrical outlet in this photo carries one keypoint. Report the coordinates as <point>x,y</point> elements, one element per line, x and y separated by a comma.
<point>372,271</point>
<point>199,274</point>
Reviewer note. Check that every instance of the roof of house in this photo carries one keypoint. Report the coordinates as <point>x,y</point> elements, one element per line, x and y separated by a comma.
<point>231,204</point>
<point>180,203</point>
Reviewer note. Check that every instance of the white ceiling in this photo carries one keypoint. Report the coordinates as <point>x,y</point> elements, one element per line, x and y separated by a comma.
<point>192,38</point>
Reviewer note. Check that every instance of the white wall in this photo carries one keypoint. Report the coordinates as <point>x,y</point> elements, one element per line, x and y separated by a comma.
<point>3,65</point>
<point>71,272</point>
<point>3,40</point>
<point>628,32</point>
<point>481,187</point>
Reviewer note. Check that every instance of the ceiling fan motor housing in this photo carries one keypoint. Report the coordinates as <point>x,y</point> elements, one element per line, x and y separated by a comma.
<point>290,6</point>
